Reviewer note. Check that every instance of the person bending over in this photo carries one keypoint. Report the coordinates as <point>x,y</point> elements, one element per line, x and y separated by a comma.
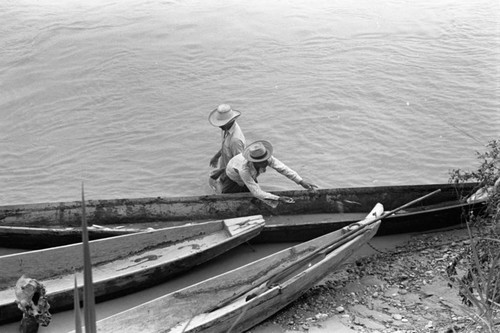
<point>243,170</point>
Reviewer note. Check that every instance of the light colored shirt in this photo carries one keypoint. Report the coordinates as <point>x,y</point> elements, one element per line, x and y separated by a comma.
<point>243,172</point>
<point>233,143</point>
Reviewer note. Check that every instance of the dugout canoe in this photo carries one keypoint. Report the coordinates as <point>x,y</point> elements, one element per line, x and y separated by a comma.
<point>239,299</point>
<point>313,213</point>
<point>34,238</point>
<point>121,264</point>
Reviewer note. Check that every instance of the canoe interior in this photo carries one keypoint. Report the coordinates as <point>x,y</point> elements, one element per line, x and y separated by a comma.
<point>124,263</point>
<point>64,260</point>
<point>243,315</point>
<point>34,238</point>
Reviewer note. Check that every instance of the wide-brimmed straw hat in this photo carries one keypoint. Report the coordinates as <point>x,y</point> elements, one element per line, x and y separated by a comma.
<point>258,151</point>
<point>222,115</point>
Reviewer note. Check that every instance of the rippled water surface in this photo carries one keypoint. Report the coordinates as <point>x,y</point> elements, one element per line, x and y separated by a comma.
<point>351,93</point>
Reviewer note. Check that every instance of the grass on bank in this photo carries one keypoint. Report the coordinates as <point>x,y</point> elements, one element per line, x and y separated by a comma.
<point>479,284</point>
<point>88,286</point>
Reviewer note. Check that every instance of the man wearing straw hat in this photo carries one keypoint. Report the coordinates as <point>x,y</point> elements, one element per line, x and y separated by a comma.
<point>233,140</point>
<point>243,170</point>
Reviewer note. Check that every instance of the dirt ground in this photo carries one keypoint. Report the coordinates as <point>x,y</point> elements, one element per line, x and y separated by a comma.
<point>405,290</point>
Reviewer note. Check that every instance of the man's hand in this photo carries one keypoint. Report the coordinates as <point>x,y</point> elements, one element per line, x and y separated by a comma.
<point>286,200</point>
<point>216,173</point>
<point>308,186</point>
<point>214,161</point>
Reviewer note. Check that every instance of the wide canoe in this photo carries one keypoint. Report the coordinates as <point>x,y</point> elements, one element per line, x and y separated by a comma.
<point>313,213</point>
<point>121,264</point>
<point>239,299</point>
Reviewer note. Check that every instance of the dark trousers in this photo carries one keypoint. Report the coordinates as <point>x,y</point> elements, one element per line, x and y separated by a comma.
<point>230,186</point>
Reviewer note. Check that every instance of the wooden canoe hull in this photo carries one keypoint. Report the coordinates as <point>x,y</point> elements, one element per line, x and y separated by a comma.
<point>122,264</point>
<point>328,210</point>
<point>40,238</point>
<point>424,218</point>
<point>246,315</point>
<point>211,305</point>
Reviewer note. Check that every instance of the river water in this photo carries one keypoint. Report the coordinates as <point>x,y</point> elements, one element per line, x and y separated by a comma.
<point>116,94</point>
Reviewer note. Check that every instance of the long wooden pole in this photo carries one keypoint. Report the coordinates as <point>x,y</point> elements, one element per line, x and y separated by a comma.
<point>304,262</point>
<point>88,286</point>
<point>343,239</point>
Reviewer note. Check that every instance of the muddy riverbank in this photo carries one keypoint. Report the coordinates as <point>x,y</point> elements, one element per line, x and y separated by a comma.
<point>403,290</point>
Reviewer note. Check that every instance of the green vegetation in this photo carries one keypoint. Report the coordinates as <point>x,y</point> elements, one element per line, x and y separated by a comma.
<point>88,287</point>
<point>476,271</point>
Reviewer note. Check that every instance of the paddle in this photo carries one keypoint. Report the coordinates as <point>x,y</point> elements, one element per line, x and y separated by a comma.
<point>324,250</point>
<point>321,251</point>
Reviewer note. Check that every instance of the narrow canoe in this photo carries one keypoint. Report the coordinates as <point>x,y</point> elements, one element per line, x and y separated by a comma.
<point>34,238</point>
<point>239,299</point>
<point>313,213</point>
<point>122,264</point>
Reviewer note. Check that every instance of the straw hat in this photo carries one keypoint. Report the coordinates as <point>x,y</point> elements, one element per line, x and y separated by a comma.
<point>258,151</point>
<point>222,115</point>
